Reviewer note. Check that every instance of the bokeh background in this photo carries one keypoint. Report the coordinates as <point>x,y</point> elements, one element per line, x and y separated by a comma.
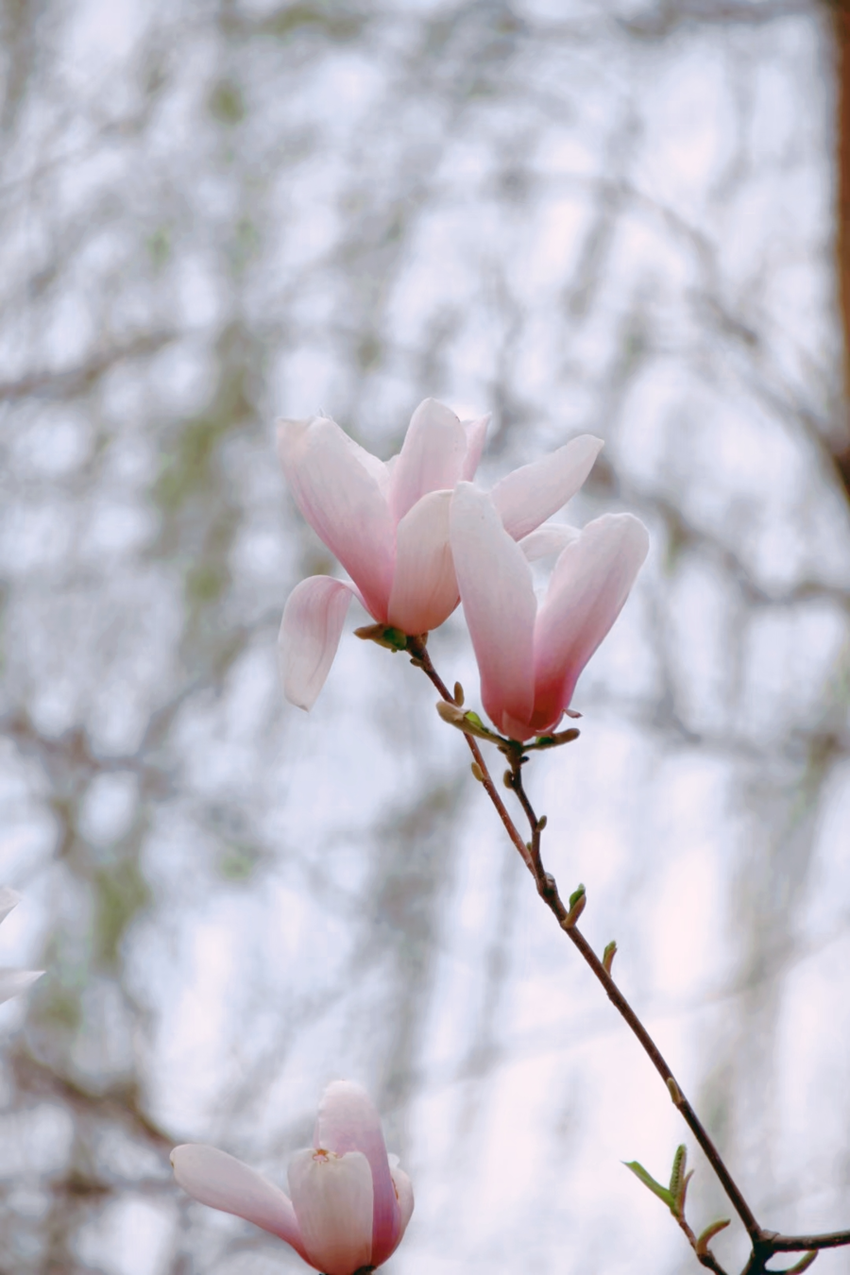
<point>614,216</point>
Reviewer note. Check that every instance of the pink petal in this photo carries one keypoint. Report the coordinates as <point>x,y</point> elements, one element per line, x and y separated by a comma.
<point>548,540</point>
<point>212,1177</point>
<point>476,433</point>
<point>424,591</point>
<point>336,486</point>
<point>530,495</point>
<point>309,635</point>
<point>332,1196</point>
<point>432,456</point>
<point>499,605</point>
<point>590,584</point>
<point>348,1121</point>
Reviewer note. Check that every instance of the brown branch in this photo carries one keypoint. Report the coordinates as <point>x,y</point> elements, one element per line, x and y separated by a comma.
<point>765,1243</point>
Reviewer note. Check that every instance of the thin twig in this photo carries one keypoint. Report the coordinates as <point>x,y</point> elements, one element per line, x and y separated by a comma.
<point>765,1244</point>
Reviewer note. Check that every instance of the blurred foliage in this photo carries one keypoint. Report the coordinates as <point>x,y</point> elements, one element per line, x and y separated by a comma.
<point>612,218</point>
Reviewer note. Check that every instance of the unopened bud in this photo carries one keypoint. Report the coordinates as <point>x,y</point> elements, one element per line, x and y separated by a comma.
<point>542,822</point>
<point>384,635</point>
<point>701,1247</point>
<point>477,772</point>
<point>608,956</point>
<point>675,1091</point>
<point>450,713</point>
<point>470,723</point>
<point>458,694</point>
<point>578,902</point>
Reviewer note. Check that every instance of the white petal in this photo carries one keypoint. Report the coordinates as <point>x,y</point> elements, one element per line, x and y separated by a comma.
<point>499,605</point>
<point>332,1196</point>
<point>476,434</point>
<point>547,540</point>
<point>404,1192</point>
<point>424,591</point>
<point>309,635</point>
<point>13,982</point>
<point>9,899</point>
<point>212,1177</point>
<point>530,495</point>
<point>348,1121</point>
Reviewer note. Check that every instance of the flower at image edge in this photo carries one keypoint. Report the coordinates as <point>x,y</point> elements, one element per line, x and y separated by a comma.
<point>349,1203</point>
<point>13,982</point>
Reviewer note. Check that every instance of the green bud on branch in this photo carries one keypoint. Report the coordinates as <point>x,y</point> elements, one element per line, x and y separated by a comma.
<point>578,900</point>
<point>649,1181</point>
<point>703,1240</point>
<point>384,635</point>
<point>803,1264</point>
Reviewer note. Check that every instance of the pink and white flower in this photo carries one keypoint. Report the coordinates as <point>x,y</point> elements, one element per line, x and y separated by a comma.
<point>13,982</point>
<point>349,1203</point>
<point>529,655</point>
<point>388,524</point>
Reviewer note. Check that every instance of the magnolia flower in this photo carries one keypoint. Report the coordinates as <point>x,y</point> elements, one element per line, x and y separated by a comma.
<point>13,981</point>
<point>530,656</point>
<point>350,1203</point>
<point>388,524</point>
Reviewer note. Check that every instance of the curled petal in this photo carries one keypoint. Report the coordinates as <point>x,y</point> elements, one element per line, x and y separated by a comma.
<point>348,1121</point>
<point>530,495</point>
<point>332,1196</point>
<point>212,1177</point>
<point>476,433</point>
<point>590,584</point>
<point>498,602</point>
<point>432,456</point>
<point>337,487</point>
<point>424,591</point>
<point>548,540</point>
<point>309,635</point>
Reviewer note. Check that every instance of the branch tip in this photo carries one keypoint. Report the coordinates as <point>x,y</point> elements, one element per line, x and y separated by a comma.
<point>608,956</point>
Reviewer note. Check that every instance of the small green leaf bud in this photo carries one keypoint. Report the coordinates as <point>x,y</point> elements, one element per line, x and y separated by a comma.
<point>649,1181</point>
<point>703,1241</point>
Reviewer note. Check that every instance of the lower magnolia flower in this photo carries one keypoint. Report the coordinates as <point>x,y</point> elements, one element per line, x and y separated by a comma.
<point>349,1203</point>
<point>13,981</point>
<point>530,656</point>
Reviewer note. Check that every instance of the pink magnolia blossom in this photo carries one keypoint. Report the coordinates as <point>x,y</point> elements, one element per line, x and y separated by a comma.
<point>12,982</point>
<point>388,524</point>
<point>529,655</point>
<point>348,1205</point>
